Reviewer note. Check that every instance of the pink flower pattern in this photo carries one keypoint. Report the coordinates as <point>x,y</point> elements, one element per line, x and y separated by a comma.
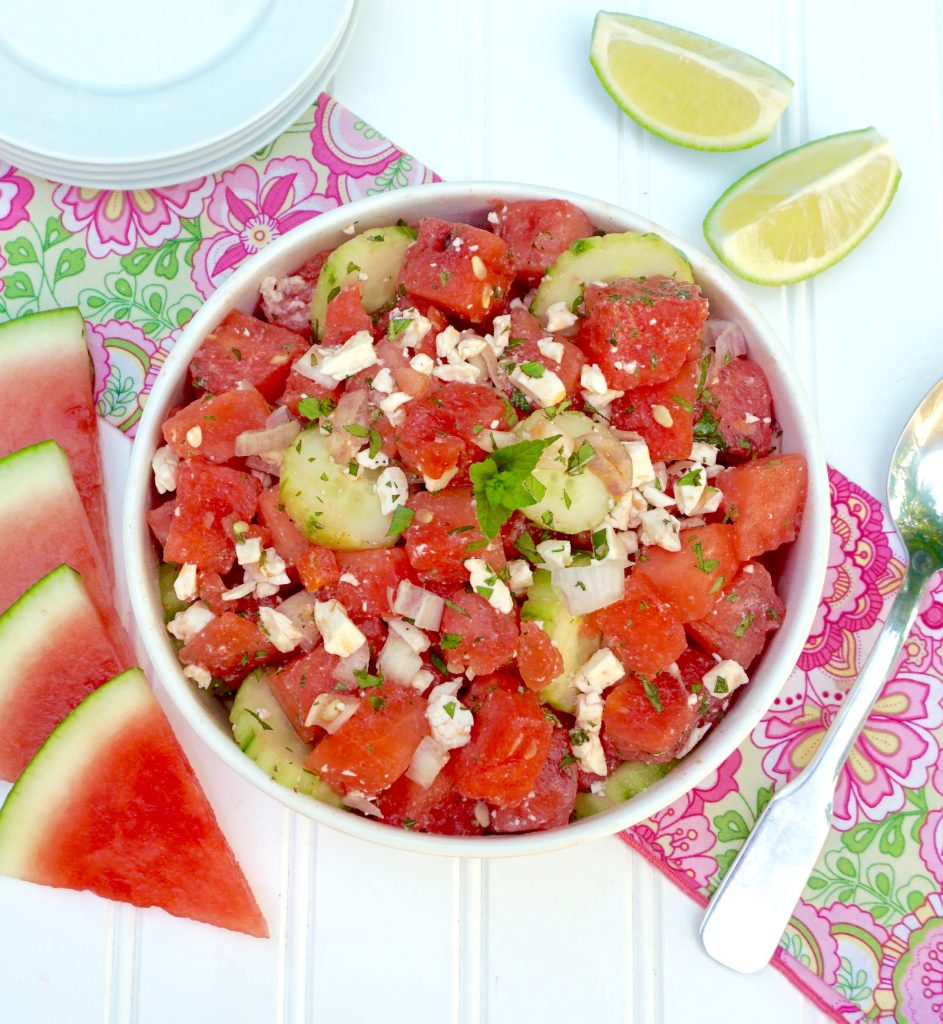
<point>15,194</point>
<point>253,210</point>
<point>118,222</point>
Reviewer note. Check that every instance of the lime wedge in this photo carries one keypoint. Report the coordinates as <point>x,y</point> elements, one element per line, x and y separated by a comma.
<point>803,211</point>
<point>687,88</point>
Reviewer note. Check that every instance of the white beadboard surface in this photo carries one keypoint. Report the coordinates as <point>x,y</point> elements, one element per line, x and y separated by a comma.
<point>503,90</point>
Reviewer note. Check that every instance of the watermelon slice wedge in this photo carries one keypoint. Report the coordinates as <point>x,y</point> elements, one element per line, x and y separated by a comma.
<point>110,804</point>
<point>43,525</point>
<point>53,652</point>
<point>46,394</point>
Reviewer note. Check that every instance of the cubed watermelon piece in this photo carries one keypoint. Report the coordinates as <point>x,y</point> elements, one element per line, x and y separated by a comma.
<point>523,347</point>
<point>764,500</point>
<point>440,809</point>
<point>367,578</point>
<point>345,316</point>
<point>481,638</point>
<point>246,350</point>
<point>662,413</point>
<point>743,615</point>
<point>648,719</point>
<point>738,396</point>
<point>537,231</point>
<point>550,802</point>
<point>690,579</point>
<point>538,660</point>
<point>296,684</point>
<point>230,646</point>
<point>209,426</point>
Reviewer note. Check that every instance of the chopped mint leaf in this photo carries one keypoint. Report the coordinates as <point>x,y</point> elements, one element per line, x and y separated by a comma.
<point>705,565</point>
<point>533,368</point>
<point>457,608</point>
<point>365,681</point>
<point>449,641</point>
<point>502,482</point>
<point>258,718</point>
<point>402,517</point>
<point>450,708</point>
<point>651,692</point>
<point>577,461</point>
<point>690,479</point>
<point>743,625</point>
<point>376,442</point>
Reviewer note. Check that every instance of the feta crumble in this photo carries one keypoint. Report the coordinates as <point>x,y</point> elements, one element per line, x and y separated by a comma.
<point>520,576</point>
<point>340,635</point>
<point>450,722</point>
<point>724,678</point>
<point>559,317</point>
<point>486,583</point>
<point>555,554</point>
<point>383,381</point>
<point>551,349</point>
<point>391,406</point>
<point>185,585</point>
<point>660,529</point>
<point>592,379</point>
<point>392,488</point>
<point>544,391</point>
<point>283,633</point>
<point>438,483</point>
<point>602,670</point>
<point>200,674</point>
<point>422,363</point>
<point>195,437</point>
<point>186,624</point>
<point>356,354</point>
<point>165,463</point>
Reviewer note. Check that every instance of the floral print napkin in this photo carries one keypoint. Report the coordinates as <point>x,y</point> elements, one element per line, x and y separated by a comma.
<point>866,941</point>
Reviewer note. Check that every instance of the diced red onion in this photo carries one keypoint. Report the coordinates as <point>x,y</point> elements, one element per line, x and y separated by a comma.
<point>422,606</point>
<point>413,636</point>
<point>330,711</point>
<point>359,802</point>
<point>300,609</point>
<point>611,462</point>
<point>344,670</point>
<point>728,341</point>
<point>279,415</point>
<point>353,407</point>
<point>398,662</point>
<point>306,368</point>
<point>429,758</point>
<point>587,588</point>
<point>267,439</point>
<point>486,360</point>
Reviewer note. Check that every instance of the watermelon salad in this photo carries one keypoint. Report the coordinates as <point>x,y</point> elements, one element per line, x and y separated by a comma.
<point>470,525</point>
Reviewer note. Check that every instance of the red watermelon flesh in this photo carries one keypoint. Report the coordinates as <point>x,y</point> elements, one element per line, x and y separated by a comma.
<point>46,394</point>
<point>53,652</point>
<point>42,526</point>
<point>110,804</point>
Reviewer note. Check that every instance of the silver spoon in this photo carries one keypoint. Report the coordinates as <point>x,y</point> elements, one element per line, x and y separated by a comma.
<point>750,910</point>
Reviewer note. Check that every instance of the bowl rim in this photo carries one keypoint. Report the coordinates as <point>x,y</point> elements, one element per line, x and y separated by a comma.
<point>327,229</point>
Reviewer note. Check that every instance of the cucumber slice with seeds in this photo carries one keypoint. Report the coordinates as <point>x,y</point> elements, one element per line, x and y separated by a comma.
<point>378,254</point>
<point>331,507</point>
<point>607,258</point>
<point>263,732</point>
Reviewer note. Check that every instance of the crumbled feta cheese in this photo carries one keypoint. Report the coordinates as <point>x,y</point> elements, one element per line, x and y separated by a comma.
<point>642,470</point>
<point>363,276</point>
<point>356,354</point>
<point>748,417</point>
<point>414,331</point>
<point>486,583</point>
<point>422,679</point>
<point>349,577</point>
<point>450,722</point>
<point>266,575</point>
<point>551,349</point>
<point>283,633</point>
<point>478,268</point>
<point>165,463</point>
<point>422,363</point>
<point>482,813</point>
<point>544,391</point>
<point>600,403</point>
<point>200,674</point>
<point>368,461</point>
<point>186,624</point>
<point>627,512</point>
<point>438,483</point>
<point>592,379</point>
<point>704,453</point>
<point>383,381</point>
<point>350,229</point>
<point>689,489</point>
<point>724,678</point>
<point>391,406</point>
<point>361,802</point>
<point>555,554</point>
<point>470,346</point>
<point>710,500</point>
<point>661,414</point>
<point>411,634</point>
<point>248,551</point>
<point>584,739</point>
<point>520,576</point>
<point>500,334</point>
<point>493,218</point>
<point>660,528</point>
<point>340,635</point>
<point>239,592</point>
<point>185,586</point>
<point>627,367</point>
<point>559,317</point>
<point>428,760</point>
<point>392,489</point>
<point>602,670</point>
<point>446,342</point>
<point>628,541</point>
<point>613,547</point>
<point>462,373</point>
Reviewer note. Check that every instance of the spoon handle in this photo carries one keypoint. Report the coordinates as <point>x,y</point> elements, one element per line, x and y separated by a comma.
<point>750,910</point>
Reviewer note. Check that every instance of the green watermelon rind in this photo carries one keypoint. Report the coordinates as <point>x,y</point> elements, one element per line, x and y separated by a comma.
<point>27,818</point>
<point>42,337</point>
<point>55,599</point>
<point>21,476</point>
<point>274,746</point>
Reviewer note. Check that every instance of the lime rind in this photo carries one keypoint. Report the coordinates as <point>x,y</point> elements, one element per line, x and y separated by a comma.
<point>719,241</point>
<point>770,87</point>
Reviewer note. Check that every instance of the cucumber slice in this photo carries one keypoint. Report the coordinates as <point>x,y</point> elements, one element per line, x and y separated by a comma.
<point>331,507</point>
<point>572,502</point>
<point>607,258</point>
<point>378,253</point>
<point>166,577</point>
<point>628,780</point>
<point>271,742</point>
<point>575,641</point>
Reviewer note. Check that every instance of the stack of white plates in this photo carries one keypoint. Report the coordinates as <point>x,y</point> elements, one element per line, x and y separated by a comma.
<point>137,93</point>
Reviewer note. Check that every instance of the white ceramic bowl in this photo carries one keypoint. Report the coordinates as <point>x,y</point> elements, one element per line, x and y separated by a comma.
<point>800,584</point>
